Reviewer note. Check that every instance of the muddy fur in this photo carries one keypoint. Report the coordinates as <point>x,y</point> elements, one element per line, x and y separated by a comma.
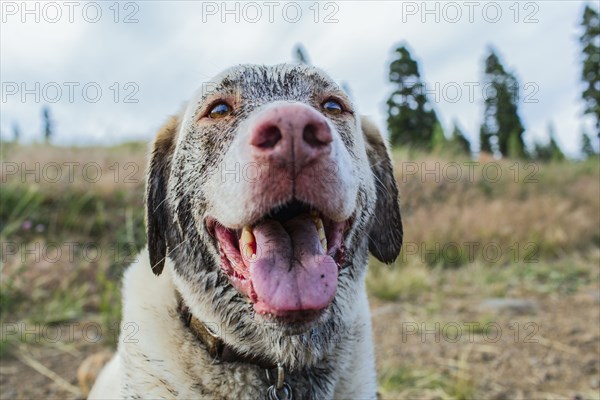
<point>191,175</point>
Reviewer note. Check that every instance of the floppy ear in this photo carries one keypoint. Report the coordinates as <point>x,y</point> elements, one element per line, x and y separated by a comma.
<point>385,235</point>
<point>157,219</point>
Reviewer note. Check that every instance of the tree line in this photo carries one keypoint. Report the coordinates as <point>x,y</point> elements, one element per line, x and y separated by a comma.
<point>412,120</point>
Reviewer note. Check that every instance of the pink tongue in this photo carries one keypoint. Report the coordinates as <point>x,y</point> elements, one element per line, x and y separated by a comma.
<point>291,271</point>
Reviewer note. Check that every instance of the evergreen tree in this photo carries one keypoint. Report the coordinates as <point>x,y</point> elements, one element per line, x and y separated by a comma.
<point>586,146</point>
<point>16,132</point>
<point>485,144</point>
<point>501,117</point>
<point>557,154</point>
<point>300,54</point>
<point>590,44</point>
<point>515,147</point>
<point>411,118</point>
<point>47,124</point>
<point>550,151</point>
<point>459,140</point>
<point>438,139</point>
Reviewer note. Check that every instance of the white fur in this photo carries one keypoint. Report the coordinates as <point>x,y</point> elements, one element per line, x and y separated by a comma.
<point>160,358</point>
<point>230,192</point>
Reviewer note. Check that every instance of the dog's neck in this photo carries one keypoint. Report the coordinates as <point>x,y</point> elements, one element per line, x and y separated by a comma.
<point>215,346</point>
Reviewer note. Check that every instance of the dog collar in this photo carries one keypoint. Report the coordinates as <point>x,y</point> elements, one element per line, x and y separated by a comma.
<point>216,347</point>
<point>221,351</point>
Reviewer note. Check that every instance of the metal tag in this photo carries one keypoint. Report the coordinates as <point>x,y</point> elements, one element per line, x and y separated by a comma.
<point>285,393</point>
<point>281,390</point>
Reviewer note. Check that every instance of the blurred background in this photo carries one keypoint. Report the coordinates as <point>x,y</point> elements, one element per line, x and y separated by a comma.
<point>493,113</point>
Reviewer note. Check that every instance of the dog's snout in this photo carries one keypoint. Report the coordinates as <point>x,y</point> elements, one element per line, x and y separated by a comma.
<point>316,136</point>
<point>291,133</point>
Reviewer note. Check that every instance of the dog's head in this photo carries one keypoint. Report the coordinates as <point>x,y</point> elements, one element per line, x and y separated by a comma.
<point>266,194</point>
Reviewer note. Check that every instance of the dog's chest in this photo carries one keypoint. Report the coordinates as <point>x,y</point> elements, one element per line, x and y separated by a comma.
<point>211,380</point>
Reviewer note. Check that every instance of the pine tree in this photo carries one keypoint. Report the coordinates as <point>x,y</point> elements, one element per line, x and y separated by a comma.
<point>16,132</point>
<point>586,146</point>
<point>557,154</point>
<point>550,151</point>
<point>515,147</point>
<point>438,139</point>
<point>411,118</point>
<point>459,140</point>
<point>501,117</point>
<point>542,152</point>
<point>590,75</point>
<point>485,144</point>
<point>47,124</point>
<point>300,54</point>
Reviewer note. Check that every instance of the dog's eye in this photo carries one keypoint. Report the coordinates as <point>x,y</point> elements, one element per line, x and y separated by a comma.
<point>219,110</point>
<point>332,107</point>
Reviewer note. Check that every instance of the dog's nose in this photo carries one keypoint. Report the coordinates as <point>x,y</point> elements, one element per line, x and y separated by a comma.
<point>290,133</point>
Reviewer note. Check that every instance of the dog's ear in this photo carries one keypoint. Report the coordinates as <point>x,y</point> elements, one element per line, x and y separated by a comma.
<point>156,193</point>
<point>385,235</point>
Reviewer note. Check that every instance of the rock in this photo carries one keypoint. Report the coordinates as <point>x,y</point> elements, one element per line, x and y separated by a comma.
<point>516,306</point>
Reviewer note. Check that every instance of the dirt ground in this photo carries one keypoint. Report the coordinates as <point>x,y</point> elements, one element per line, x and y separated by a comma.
<point>554,353</point>
<point>517,327</point>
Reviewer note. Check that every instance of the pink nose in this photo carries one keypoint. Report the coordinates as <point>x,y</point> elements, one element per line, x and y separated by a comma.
<point>290,133</point>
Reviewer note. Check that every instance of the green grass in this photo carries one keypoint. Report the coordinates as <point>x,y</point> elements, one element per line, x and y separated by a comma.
<point>417,280</point>
<point>540,211</point>
<point>556,216</point>
<point>397,283</point>
<point>18,204</point>
<point>79,217</point>
<point>408,382</point>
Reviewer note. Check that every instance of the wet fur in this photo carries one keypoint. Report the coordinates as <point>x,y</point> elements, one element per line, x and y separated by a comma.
<point>332,359</point>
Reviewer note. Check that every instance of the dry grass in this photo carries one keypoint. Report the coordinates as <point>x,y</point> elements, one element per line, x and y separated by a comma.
<point>530,214</point>
<point>543,211</point>
<point>544,222</point>
<point>71,221</point>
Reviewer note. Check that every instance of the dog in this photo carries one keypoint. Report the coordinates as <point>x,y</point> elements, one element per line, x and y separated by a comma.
<point>264,198</point>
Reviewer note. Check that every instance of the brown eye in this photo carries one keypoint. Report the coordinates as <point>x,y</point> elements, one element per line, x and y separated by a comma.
<point>332,107</point>
<point>219,110</point>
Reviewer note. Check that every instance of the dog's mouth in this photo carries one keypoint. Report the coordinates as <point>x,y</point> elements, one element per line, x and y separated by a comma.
<point>286,263</point>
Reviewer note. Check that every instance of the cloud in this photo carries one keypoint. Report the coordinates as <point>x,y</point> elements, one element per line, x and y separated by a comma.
<point>161,59</point>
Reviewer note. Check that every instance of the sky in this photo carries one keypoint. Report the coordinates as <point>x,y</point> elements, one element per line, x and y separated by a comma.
<point>113,72</point>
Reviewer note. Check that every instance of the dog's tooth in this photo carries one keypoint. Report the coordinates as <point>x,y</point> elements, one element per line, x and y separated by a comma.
<point>247,233</point>
<point>316,219</point>
<point>320,230</point>
<point>323,238</point>
<point>247,243</point>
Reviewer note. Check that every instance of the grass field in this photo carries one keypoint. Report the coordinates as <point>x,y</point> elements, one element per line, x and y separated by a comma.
<point>496,294</point>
